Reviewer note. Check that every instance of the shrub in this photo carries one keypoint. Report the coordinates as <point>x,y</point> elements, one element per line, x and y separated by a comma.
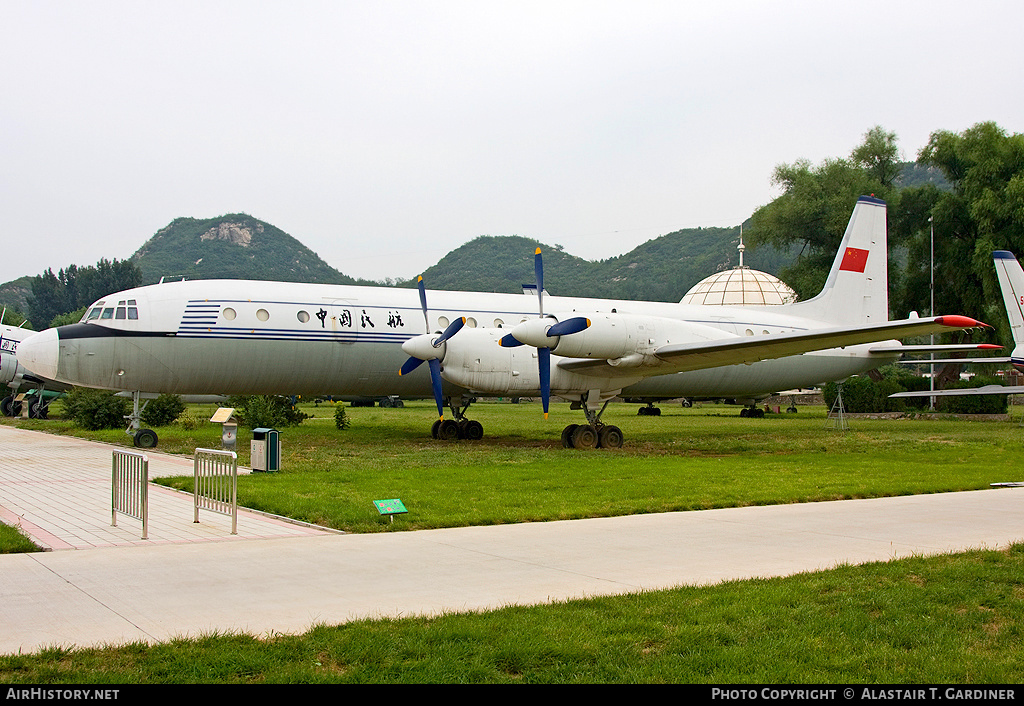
<point>271,411</point>
<point>187,421</point>
<point>96,409</point>
<point>162,411</point>
<point>341,420</point>
<point>862,394</point>
<point>973,404</point>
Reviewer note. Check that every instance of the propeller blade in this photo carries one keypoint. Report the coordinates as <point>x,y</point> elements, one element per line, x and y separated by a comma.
<point>538,271</point>
<point>423,301</point>
<point>453,328</point>
<point>509,341</point>
<point>544,364</point>
<point>410,365</point>
<point>435,383</point>
<point>569,326</point>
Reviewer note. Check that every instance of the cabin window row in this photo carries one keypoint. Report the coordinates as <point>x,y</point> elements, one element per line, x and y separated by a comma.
<point>303,316</point>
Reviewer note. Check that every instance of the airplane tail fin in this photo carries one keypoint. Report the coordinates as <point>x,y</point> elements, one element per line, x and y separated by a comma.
<point>857,288</point>
<point>1011,282</point>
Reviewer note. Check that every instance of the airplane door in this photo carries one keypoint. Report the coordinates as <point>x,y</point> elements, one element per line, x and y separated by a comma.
<point>340,319</point>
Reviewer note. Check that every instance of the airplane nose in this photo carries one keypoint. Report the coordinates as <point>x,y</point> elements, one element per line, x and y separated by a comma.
<point>39,353</point>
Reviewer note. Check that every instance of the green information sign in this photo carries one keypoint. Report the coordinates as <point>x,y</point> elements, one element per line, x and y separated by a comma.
<point>390,507</point>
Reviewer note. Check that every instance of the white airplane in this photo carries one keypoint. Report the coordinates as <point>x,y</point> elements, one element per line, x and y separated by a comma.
<point>1011,284</point>
<point>255,337</point>
<point>16,378</point>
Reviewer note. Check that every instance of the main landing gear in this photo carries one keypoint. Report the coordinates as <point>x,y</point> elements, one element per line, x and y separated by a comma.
<point>594,434</point>
<point>38,406</point>
<point>459,427</point>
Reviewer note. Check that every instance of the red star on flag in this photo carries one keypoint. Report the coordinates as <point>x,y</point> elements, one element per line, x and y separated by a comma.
<point>854,260</point>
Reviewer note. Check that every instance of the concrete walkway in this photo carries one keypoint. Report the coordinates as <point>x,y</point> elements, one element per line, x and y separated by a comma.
<point>281,578</point>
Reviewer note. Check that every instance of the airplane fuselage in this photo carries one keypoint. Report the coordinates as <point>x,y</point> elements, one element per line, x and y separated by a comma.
<point>242,337</point>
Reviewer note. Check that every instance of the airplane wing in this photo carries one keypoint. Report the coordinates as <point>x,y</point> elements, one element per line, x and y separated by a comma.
<point>677,358</point>
<point>970,391</point>
<point>937,348</point>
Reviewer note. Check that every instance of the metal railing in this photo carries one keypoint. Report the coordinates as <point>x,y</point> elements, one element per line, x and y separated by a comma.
<point>216,483</point>
<point>130,488</point>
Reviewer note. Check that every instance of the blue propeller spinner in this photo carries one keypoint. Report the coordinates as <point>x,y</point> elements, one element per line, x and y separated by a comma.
<point>521,335</point>
<point>430,348</point>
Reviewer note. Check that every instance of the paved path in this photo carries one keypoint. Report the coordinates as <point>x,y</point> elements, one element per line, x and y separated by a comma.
<point>286,578</point>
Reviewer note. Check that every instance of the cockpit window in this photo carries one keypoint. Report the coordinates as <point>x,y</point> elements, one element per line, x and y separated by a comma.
<point>126,310</point>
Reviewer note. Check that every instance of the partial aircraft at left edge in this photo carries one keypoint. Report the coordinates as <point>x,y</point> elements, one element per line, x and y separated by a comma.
<point>16,378</point>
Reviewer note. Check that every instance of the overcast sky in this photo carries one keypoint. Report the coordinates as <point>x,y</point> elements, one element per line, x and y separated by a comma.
<point>383,134</point>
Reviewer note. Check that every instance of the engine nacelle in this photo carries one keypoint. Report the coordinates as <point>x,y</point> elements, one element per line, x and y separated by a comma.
<point>629,340</point>
<point>475,361</point>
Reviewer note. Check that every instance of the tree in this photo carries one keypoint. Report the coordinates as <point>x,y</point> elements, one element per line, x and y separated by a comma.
<point>76,287</point>
<point>879,156</point>
<point>815,206</point>
<point>984,211</point>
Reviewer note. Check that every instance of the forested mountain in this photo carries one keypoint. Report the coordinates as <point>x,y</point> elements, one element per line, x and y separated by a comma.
<point>235,246</point>
<point>662,269</point>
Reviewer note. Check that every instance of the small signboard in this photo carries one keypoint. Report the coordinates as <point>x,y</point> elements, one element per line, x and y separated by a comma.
<point>390,507</point>
<point>222,415</point>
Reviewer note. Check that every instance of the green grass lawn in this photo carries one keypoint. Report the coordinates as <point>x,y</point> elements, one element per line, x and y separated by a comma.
<point>938,619</point>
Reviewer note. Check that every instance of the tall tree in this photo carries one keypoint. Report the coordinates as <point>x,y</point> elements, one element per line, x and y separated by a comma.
<point>983,212</point>
<point>75,287</point>
<point>815,206</point>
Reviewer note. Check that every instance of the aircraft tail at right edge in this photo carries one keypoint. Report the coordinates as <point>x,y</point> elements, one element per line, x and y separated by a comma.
<point>1011,282</point>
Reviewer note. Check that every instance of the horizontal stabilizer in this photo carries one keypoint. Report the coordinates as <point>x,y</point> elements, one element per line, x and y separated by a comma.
<point>970,391</point>
<point>960,361</point>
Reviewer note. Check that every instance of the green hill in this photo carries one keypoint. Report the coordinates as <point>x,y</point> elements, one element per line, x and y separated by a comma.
<point>235,246</point>
<point>662,269</point>
<point>239,246</point>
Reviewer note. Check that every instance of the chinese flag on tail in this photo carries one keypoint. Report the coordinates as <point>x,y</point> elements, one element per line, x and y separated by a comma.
<point>854,260</point>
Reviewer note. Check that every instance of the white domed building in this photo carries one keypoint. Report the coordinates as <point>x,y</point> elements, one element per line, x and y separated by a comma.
<point>742,286</point>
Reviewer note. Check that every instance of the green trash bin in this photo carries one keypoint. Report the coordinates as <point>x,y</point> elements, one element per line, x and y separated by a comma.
<point>265,450</point>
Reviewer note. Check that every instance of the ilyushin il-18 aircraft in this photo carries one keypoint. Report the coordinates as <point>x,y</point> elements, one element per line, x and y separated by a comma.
<point>239,337</point>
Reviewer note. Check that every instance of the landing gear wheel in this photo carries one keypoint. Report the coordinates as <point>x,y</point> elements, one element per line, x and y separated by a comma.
<point>448,430</point>
<point>567,436</point>
<point>471,429</point>
<point>37,409</point>
<point>9,407</point>
<point>585,437</point>
<point>434,429</point>
<point>145,439</point>
<point>610,437</point>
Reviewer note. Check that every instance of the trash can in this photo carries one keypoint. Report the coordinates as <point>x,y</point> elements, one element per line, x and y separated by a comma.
<point>265,450</point>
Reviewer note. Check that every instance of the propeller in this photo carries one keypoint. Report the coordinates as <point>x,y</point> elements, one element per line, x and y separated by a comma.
<point>538,333</point>
<point>429,348</point>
